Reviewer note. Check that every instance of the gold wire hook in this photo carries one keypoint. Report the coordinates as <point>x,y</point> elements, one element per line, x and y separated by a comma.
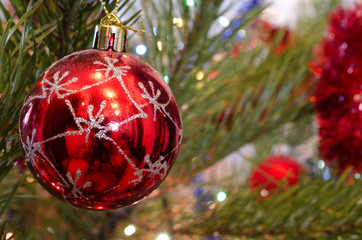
<point>112,19</point>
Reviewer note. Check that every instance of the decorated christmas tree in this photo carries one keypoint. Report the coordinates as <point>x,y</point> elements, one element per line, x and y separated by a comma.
<point>179,119</point>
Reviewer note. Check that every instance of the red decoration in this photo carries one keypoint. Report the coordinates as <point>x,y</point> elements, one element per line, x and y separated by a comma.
<point>100,129</point>
<point>271,32</point>
<point>338,96</point>
<point>273,171</point>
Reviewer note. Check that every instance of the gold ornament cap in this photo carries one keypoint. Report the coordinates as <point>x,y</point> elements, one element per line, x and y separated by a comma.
<point>110,35</point>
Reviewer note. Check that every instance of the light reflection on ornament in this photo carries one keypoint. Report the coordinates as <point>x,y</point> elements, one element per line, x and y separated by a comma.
<point>98,76</point>
<point>110,94</point>
<point>56,186</point>
<point>27,115</point>
<point>114,126</point>
<point>114,105</point>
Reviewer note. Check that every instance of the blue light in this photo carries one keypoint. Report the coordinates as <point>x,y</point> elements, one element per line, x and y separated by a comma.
<point>236,23</point>
<point>247,6</point>
<point>228,33</point>
<point>197,178</point>
<point>180,46</point>
<point>154,29</point>
<point>198,191</point>
<point>326,175</point>
<point>141,49</point>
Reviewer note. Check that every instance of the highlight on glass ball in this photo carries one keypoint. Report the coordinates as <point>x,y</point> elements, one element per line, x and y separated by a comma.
<point>100,129</point>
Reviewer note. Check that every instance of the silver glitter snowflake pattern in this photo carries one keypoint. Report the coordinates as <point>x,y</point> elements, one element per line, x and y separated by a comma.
<point>94,122</point>
<point>56,86</point>
<point>73,184</point>
<point>33,150</point>
<point>157,168</point>
<point>153,99</point>
<point>118,72</point>
<point>109,67</point>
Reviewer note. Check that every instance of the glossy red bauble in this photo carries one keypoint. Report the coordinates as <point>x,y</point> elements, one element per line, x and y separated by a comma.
<point>100,129</point>
<point>338,95</point>
<point>273,172</point>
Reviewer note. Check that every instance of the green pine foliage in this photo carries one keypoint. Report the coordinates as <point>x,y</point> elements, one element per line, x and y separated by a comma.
<point>243,98</point>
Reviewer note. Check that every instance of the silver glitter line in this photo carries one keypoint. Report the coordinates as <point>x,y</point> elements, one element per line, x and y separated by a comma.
<point>54,87</point>
<point>75,191</point>
<point>119,150</point>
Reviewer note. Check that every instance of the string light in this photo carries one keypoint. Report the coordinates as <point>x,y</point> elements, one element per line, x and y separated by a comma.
<point>180,46</point>
<point>154,29</point>
<point>264,193</point>
<point>8,235</point>
<point>110,94</point>
<point>241,34</point>
<point>130,230</point>
<point>200,75</point>
<point>167,79</point>
<point>221,196</point>
<point>321,164</point>
<point>223,21</point>
<point>190,3</point>
<point>159,45</point>
<point>141,49</point>
<point>163,236</point>
<point>178,22</point>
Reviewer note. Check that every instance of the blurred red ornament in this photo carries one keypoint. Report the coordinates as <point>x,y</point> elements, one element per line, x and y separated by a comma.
<point>271,33</point>
<point>338,95</point>
<point>100,129</point>
<point>21,165</point>
<point>274,171</point>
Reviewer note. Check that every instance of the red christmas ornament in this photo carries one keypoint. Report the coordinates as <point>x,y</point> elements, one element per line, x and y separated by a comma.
<point>270,33</point>
<point>273,171</point>
<point>100,129</point>
<point>338,95</point>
